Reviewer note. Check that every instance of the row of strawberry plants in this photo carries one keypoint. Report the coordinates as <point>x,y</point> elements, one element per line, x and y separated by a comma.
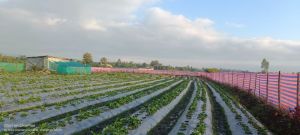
<point>55,85</point>
<point>149,122</point>
<point>47,102</point>
<point>92,124</point>
<point>166,125</point>
<point>83,91</point>
<point>150,107</point>
<point>220,123</point>
<point>238,116</point>
<point>46,109</point>
<point>91,111</point>
<point>260,129</point>
<point>73,92</point>
<point>201,126</point>
<point>53,80</point>
<point>66,89</point>
<point>184,123</point>
<point>38,97</point>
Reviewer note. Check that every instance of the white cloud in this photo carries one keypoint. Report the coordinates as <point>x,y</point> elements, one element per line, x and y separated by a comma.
<point>165,21</point>
<point>235,25</point>
<point>113,29</point>
<point>93,25</point>
<point>54,21</point>
<point>31,17</point>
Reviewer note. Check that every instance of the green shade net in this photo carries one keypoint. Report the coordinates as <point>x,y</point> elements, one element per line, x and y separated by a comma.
<point>12,67</point>
<point>70,68</point>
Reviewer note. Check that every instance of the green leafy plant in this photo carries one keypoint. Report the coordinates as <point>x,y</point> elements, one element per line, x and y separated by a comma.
<point>23,114</point>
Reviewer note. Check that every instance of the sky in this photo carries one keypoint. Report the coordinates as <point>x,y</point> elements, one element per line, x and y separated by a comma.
<point>232,34</point>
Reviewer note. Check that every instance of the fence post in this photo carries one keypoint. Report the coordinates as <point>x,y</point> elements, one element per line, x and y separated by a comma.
<point>255,83</point>
<point>231,78</point>
<point>250,80</point>
<point>237,79</point>
<point>267,87</point>
<point>244,80</point>
<point>228,78</point>
<point>279,77</point>
<point>298,79</point>
<point>259,86</point>
<point>222,77</point>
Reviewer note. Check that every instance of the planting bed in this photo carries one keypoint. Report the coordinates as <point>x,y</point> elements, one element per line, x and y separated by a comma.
<point>195,120</point>
<point>50,98</point>
<point>119,104</point>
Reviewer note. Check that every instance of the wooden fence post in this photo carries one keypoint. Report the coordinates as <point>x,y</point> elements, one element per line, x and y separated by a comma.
<point>255,83</point>
<point>221,78</point>
<point>237,79</point>
<point>267,87</point>
<point>232,79</point>
<point>279,77</point>
<point>228,78</point>
<point>224,77</point>
<point>298,79</point>
<point>259,86</point>
<point>250,80</point>
<point>244,80</point>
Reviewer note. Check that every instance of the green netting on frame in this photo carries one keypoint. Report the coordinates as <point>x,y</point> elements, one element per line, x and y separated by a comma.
<point>12,67</point>
<point>74,70</point>
<point>70,68</point>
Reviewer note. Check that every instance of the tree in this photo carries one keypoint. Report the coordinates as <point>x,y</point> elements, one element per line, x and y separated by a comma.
<point>87,58</point>
<point>211,70</point>
<point>144,65</point>
<point>22,58</point>
<point>118,63</point>
<point>154,63</point>
<point>265,65</point>
<point>12,59</point>
<point>103,61</point>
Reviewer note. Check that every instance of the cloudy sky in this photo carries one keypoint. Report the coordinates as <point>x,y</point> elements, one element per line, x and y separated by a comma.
<point>231,34</point>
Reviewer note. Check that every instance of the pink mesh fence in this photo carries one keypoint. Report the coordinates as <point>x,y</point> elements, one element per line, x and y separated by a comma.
<point>278,89</point>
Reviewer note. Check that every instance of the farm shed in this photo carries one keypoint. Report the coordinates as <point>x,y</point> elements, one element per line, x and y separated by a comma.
<point>43,62</point>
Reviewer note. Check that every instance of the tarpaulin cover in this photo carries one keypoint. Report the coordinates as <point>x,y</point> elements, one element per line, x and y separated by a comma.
<point>12,67</point>
<point>70,68</point>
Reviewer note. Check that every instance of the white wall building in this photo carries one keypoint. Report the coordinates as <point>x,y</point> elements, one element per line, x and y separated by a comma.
<point>42,62</point>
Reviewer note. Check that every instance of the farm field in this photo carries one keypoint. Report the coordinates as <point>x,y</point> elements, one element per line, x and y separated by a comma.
<point>119,104</point>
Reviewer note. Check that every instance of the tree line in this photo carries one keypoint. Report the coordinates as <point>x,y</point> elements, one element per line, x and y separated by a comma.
<point>155,64</point>
<point>12,59</point>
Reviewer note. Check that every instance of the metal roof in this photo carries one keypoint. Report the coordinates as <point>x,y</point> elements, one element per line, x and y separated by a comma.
<point>47,56</point>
